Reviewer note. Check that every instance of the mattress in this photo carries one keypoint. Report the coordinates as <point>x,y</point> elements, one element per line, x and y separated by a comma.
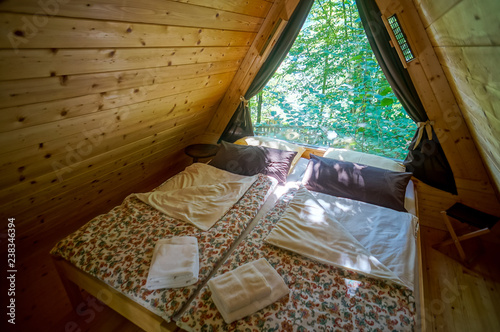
<point>117,247</point>
<point>322,297</point>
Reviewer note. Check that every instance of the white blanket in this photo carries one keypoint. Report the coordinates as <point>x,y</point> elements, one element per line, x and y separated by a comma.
<point>200,195</point>
<point>319,232</point>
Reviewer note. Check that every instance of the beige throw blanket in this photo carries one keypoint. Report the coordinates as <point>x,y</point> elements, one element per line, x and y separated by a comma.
<point>307,229</point>
<point>200,195</point>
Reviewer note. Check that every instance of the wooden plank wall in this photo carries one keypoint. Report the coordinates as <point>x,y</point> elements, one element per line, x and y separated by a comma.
<point>465,35</point>
<point>90,91</point>
<point>474,181</point>
<point>98,99</point>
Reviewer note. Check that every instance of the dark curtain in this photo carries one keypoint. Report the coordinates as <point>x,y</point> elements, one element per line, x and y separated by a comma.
<point>240,124</point>
<point>426,158</point>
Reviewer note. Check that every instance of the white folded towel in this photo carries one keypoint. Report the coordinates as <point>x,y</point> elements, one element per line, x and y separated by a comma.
<point>238,288</point>
<point>256,293</point>
<point>175,263</point>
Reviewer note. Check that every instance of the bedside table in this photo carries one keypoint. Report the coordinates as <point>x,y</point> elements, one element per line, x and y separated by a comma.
<point>197,151</point>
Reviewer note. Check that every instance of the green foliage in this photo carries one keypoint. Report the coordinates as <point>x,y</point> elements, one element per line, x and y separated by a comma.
<point>330,91</point>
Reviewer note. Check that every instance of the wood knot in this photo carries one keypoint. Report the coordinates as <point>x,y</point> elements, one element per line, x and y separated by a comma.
<point>63,79</point>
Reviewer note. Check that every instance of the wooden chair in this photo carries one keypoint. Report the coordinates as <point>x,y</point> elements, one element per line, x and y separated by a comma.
<point>478,219</point>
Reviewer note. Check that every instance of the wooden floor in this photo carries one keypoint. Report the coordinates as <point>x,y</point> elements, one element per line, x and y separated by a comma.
<point>459,298</point>
<point>456,298</point>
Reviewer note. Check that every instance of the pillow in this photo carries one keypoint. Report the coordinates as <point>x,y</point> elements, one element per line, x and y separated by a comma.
<point>251,160</point>
<point>275,144</point>
<point>356,181</point>
<point>365,159</point>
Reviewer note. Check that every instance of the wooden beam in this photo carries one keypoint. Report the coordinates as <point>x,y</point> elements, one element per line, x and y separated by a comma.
<point>251,64</point>
<point>456,241</point>
<point>137,314</point>
<point>465,237</point>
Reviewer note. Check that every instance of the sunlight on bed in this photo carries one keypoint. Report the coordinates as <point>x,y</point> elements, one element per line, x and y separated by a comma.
<point>336,207</point>
<point>313,213</point>
<point>362,263</point>
<point>352,286</point>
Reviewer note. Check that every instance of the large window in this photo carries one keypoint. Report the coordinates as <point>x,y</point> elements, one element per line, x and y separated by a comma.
<point>330,91</point>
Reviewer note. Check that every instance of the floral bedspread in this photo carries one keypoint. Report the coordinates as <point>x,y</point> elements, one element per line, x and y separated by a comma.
<point>117,247</point>
<point>322,297</point>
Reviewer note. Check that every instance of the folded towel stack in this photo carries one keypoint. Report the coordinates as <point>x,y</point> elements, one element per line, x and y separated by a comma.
<point>175,263</point>
<point>247,289</point>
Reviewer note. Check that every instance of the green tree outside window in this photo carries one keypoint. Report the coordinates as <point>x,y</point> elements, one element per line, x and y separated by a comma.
<point>330,91</point>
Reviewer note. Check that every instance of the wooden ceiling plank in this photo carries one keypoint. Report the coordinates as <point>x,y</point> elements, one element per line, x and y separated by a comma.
<point>63,32</point>
<point>431,10</point>
<point>34,167</point>
<point>50,89</point>
<point>475,28</point>
<point>123,98</point>
<point>52,196</point>
<point>251,8</point>
<point>50,62</point>
<point>160,12</point>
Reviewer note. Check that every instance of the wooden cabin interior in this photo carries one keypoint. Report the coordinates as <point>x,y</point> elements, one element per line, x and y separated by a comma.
<point>100,98</point>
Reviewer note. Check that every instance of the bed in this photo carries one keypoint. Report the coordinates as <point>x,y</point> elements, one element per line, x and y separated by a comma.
<point>328,296</point>
<point>109,257</point>
<point>130,230</point>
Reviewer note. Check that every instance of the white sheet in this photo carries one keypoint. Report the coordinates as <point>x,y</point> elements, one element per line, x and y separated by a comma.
<point>200,195</point>
<point>321,230</point>
<point>388,234</point>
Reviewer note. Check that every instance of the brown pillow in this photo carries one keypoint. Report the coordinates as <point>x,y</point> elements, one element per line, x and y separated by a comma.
<point>356,181</point>
<point>251,160</point>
